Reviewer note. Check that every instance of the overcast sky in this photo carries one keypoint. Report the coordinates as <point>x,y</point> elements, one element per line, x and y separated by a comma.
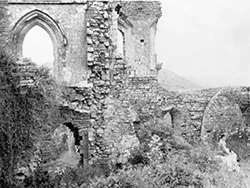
<point>38,46</point>
<point>208,40</point>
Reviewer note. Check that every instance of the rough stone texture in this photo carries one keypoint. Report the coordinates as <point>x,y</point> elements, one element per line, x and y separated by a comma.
<point>99,59</point>
<point>188,111</point>
<point>69,50</point>
<point>119,133</point>
<point>129,105</point>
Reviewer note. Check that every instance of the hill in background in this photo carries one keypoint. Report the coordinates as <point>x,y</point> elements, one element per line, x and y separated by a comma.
<point>171,81</point>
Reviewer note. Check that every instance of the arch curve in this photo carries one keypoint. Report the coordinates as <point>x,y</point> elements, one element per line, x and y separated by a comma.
<point>224,111</point>
<point>39,18</point>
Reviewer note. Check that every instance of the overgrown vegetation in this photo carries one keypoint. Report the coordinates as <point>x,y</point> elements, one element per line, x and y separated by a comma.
<point>26,117</point>
<point>239,142</point>
<point>163,160</point>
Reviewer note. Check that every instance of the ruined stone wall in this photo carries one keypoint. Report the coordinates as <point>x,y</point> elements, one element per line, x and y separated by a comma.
<point>188,110</point>
<point>194,114</point>
<point>70,50</point>
<point>129,105</point>
<point>99,60</point>
<point>141,100</point>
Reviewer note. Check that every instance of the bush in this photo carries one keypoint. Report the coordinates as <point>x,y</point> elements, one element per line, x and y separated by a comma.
<point>239,142</point>
<point>151,176</point>
<point>164,159</point>
<point>67,177</point>
<point>26,117</point>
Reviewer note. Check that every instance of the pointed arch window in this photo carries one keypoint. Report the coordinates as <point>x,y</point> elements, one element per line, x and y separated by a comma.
<point>44,21</point>
<point>38,46</point>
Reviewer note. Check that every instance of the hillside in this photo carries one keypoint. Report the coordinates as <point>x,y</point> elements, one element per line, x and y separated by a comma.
<point>171,81</point>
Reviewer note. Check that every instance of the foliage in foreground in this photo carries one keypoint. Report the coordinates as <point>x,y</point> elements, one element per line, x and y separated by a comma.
<point>165,161</point>
<point>25,116</point>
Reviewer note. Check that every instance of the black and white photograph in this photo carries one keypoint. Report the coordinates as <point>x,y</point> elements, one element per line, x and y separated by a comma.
<point>124,94</point>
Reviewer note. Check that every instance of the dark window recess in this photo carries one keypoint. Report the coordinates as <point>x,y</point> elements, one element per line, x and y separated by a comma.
<point>75,131</point>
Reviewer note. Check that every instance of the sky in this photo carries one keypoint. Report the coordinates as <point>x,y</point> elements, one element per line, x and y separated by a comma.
<point>38,46</point>
<point>208,40</point>
<point>205,40</point>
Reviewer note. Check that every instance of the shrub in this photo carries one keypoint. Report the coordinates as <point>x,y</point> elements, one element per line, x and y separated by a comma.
<point>164,159</point>
<point>239,142</point>
<point>26,117</point>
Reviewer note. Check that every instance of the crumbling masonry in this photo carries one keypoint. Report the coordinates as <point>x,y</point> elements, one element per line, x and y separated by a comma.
<point>109,95</point>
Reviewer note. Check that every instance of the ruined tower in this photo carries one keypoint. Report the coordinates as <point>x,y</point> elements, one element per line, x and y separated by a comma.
<point>137,21</point>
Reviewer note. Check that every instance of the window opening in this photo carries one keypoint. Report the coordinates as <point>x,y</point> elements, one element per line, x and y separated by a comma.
<point>38,46</point>
<point>120,42</point>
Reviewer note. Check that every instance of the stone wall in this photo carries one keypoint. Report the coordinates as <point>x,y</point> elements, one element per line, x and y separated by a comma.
<point>138,100</point>
<point>99,61</point>
<point>188,110</point>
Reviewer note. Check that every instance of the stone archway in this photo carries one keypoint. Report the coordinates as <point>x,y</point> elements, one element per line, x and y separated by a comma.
<point>222,114</point>
<point>39,18</point>
<point>227,112</point>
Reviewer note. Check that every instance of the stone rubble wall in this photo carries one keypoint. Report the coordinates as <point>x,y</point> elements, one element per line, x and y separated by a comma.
<point>188,112</point>
<point>99,60</point>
